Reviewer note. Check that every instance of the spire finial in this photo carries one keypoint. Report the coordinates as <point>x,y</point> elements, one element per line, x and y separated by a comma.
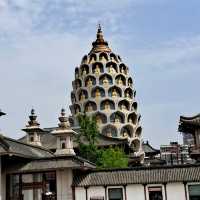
<point>100,45</point>
<point>33,118</point>
<point>64,123</point>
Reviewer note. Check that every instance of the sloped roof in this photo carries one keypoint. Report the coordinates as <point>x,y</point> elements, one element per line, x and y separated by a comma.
<point>48,140</point>
<point>142,175</point>
<point>15,147</point>
<point>148,149</point>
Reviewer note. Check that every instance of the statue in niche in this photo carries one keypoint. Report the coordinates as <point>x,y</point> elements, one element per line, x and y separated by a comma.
<point>105,81</point>
<point>97,93</point>
<point>97,70</point>
<point>123,71</point>
<point>114,93</point>
<point>82,96</point>
<point>76,75</point>
<point>84,72</point>
<point>77,84</point>
<point>125,134</point>
<point>102,59</point>
<point>117,120</point>
<point>109,133</point>
<point>77,110</point>
<point>130,120</point>
<point>107,106</point>
<point>89,108</point>
<point>130,83</point>
<point>98,119</point>
<point>120,82</point>
<point>89,83</point>
<point>127,95</point>
<point>112,69</point>
<point>123,107</point>
<point>92,60</point>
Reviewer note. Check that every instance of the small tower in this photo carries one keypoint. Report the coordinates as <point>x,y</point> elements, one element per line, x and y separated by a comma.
<point>64,135</point>
<point>33,130</point>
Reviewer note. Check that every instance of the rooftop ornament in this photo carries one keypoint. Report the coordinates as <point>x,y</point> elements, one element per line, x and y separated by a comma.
<point>100,45</point>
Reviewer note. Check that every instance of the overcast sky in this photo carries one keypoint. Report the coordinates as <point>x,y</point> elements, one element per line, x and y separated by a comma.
<point>41,43</point>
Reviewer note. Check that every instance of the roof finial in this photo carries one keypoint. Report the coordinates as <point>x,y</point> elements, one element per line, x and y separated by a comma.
<point>100,45</point>
<point>64,123</point>
<point>33,118</point>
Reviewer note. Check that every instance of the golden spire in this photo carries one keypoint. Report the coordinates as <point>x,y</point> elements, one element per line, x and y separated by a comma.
<point>100,45</point>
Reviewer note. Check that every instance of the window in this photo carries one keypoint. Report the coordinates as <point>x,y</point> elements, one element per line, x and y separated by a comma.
<point>194,192</point>
<point>155,193</point>
<point>115,194</point>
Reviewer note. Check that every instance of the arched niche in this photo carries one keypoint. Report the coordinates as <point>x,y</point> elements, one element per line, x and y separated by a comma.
<point>78,83</point>
<point>134,106</point>
<point>90,81</point>
<point>77,108</point>
<point>111,68</point>
<point>84,70</point>
<point>98,92</point>
<point>123,69</point>
<point>109,131</point>
<point>128,93</point>
<point>119,58</point>
<point>113,57</point>
<point>115,92</point>
<point>130,82</point>
<point>107,105</point>
<point>126,131</point>
<point>83,95</point>
<point>100,118</point>
<point>73,97</point>
<point>84,60</point>
<point>90,106</point>
<point>138,131</point>
<point>97,68</point>
<point>92,58</point>
<point>132,118</point>
<point>134,94</point>
<point>124,105</point>
<point>117,117</point>
<point>105,80</point>
<point>76,72</point>
<point>120,80</point>
<point>103,57</point>
<point>139,118</point>
<point>135,145</point>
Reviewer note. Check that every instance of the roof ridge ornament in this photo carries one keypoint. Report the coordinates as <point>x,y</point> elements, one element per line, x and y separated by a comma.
<point>33,121</point>
<point>64,122</point>
<point>100,45</point>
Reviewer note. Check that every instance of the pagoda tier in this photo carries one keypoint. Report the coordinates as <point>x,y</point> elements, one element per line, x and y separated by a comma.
<point>104,88</point>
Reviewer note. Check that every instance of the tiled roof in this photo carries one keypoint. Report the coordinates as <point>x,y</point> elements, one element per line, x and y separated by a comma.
<point>195,120</point>
<point>14,147</point>
<point>142,175</point>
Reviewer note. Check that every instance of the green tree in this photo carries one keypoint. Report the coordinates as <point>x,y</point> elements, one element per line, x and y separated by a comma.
<point>87,140</point>
<point>112,158</point>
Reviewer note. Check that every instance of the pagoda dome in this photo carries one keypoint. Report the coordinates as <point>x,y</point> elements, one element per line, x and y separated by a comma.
<point>104,88</point>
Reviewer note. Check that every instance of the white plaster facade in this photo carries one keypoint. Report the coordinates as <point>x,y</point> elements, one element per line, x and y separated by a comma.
<point>170,191</point>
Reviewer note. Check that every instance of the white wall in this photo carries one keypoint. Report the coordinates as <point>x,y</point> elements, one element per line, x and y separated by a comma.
<point>175,191</point>
<point>80,193</point>
<point>64,182</point>
<point>135,192</point>
<point>96,192</point>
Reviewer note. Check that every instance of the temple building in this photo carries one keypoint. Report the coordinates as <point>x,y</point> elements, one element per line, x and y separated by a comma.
<point>104,88</point>
<point>45,165</point>
<point>190,128</point>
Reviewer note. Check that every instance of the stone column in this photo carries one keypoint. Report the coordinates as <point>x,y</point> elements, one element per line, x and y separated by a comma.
<point>64,182</point>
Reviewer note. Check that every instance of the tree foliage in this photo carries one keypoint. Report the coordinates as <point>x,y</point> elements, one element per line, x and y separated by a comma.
<point>87,140</point>
<point>113,158</point>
